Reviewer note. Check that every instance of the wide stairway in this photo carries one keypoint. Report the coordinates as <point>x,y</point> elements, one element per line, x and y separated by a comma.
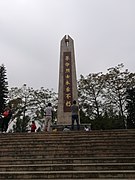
<point>68,155</point>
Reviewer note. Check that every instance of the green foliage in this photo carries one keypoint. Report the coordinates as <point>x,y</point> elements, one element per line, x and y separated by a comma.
<point>106,123</point>
<point>21,124</point>
<point>90,90</point>
<point>102,98</point>
<point>130,107</point>
<point>83,117</point>
<point>103,101</point>
<point>29,104</point>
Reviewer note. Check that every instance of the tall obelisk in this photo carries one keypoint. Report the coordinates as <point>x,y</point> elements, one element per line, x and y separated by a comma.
<point>67,81</point>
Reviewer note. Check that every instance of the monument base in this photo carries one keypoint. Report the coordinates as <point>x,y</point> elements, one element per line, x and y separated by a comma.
<point>61,127</point>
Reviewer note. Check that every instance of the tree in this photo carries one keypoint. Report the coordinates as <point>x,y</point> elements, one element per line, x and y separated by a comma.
<point>117,82</point>
<point>29,104</point>
<point>90,90</point>
<point>22,124</point>
<point>3,88</point>
<point>102,97</point>
<point>130,107</point>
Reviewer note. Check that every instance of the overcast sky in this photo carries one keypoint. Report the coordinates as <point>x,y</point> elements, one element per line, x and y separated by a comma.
<point>31,30</point>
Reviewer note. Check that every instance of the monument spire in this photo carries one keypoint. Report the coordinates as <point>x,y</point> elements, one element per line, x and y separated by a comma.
<point>67,91</point>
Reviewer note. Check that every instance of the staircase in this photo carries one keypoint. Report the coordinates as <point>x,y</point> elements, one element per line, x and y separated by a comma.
<point>68,155</point>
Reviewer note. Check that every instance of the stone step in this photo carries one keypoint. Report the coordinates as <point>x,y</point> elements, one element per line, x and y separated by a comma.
<point>68,150</point>
<point>72,149</point>
<point>70,133</point>
<point>68,167</point>
<point>66,140</point>
<point>72,145</point>
<point>77,141</point>
<point>85,179</point>
<point>117,142</point>
<point>87,160</point>
<point>68,155</point>
<point>86,136</point>
<point>89,151</point>
<point>22,155</point>
<point>81,134</point>
<point>125,174</point>
<point>68,146</point>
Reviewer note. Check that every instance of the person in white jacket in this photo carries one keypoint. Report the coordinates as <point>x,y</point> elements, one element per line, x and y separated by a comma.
<point>48,117</point>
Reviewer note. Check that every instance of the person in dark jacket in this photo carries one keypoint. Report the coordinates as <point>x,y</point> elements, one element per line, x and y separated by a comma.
<point>75,115</point>
<point>7,114</point>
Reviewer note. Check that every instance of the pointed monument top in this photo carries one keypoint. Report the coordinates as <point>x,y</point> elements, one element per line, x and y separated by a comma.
<point>67,40</point>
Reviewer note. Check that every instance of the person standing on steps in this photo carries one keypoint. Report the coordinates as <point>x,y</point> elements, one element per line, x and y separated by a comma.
<point>33,126</point>
<point>7,114</point>
<point>48,117</point>
<point>75,115</point>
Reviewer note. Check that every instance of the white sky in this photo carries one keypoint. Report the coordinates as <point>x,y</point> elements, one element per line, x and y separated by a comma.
<point>31,30</point>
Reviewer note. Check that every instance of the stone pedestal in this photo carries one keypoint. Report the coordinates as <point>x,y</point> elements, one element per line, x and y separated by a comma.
<point>67,91</point>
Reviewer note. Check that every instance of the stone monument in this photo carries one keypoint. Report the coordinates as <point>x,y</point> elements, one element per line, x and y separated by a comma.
<point>67,91</point>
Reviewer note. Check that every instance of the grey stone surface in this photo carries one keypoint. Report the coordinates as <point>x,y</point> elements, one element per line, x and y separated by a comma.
<point>67,45</point>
